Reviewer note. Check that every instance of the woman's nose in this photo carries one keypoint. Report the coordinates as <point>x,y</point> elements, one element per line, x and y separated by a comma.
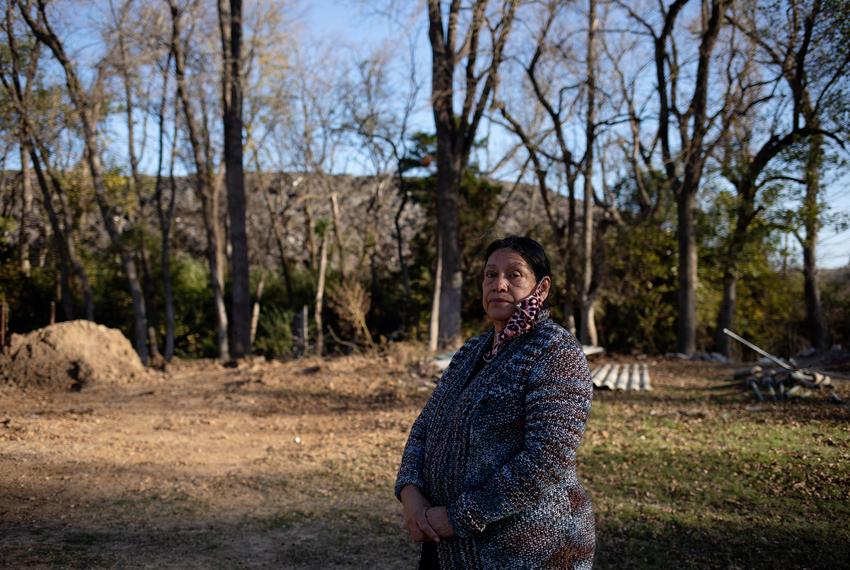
<point>500,284</point>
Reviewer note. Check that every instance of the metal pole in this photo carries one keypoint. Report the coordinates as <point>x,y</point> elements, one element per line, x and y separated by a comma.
<point>767,355</point>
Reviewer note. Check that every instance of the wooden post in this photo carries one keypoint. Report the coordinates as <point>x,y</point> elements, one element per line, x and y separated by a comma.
<point>52,312</point>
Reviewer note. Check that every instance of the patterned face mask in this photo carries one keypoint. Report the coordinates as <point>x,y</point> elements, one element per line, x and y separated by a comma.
<point>521,321</point>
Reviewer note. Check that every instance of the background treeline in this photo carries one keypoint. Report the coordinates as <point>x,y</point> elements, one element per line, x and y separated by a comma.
<point>203,177</point>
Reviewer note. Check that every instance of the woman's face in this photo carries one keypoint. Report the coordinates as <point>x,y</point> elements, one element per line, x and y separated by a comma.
<point>508,278</point>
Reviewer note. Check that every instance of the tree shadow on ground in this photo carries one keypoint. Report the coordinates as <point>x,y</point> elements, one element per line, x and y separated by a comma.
<point>336,541</point>
<point>721,546</point>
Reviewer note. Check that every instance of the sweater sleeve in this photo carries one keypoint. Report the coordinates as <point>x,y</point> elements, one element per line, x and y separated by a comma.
<point>557,406</point>
<point>410,470</point>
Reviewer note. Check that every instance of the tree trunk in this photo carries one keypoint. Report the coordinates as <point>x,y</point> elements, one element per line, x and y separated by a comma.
<point>588,327</point>
<point>687,266</point>
<point>817,333</point>
<point>744,214</point>
<point>567,304</point>
<point>309,239</point>
<point>135,180</point>
<point>340,252</point>
<point>215,259</point>
<point>64,218</point>
<point>165,213</point>
<point>726,315</point>
<point>320,293</point>
<point>284,266</point>
<point>456,131</point>
<point>26,211</point>
<point>205,186</point>
<point>451,283</point>
<point>434,329</point>
<point>230,19</point>
<point>168,292</point>
<point>693,127</point>
<point>399,237</point>
<point>60,239</point>
<point>814,312</point>
<point>255,312</point>
<point>68,228</point>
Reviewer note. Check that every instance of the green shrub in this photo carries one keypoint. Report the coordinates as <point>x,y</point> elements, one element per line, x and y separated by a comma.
<point>274,333</point>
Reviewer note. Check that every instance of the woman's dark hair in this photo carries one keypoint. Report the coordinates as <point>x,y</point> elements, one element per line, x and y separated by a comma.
<point>530,250</point>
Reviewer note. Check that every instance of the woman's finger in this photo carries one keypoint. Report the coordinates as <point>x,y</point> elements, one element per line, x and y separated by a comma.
<point>414,533</point>
<point>425,526</point>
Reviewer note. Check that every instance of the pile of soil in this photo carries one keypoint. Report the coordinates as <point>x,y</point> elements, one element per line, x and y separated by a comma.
<point>69,356</point>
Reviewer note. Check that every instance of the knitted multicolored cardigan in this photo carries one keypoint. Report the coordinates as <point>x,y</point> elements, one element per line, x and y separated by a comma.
<point>499,450</point>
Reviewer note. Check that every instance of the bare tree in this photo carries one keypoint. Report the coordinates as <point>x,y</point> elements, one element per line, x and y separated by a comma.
<point>561,82</point>
<point>21,94</point>
<point>820,94</point>
<point>456,131</point>
<point>126,61</point>
<point>683,167</point>
<point>792,51</point>
<point>533,134</point>
<point>165,206</point>
<point>206,183</point>
<point>87,107</point>
<point>586,292</point>
<point>39,112</point>
<point>374,115</point>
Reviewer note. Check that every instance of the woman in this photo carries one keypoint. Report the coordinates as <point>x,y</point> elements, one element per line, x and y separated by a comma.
<point>488,476</point>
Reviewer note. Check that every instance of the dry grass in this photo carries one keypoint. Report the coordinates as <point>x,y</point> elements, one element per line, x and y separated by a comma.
<point>291,465</point>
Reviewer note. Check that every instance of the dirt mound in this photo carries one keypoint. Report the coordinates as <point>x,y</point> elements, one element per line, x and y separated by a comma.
<point>69,356</point>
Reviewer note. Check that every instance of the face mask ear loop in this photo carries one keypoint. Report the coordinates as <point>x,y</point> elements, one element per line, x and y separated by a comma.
<point>535,292</point>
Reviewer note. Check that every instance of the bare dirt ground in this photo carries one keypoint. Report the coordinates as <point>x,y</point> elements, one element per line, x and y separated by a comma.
<point>269,465</point>
<point>291,465</point>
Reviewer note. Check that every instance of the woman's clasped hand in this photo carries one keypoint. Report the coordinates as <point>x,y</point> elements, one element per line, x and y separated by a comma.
<point>423,522</point>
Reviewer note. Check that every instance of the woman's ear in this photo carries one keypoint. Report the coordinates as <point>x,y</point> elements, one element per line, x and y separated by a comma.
<point>544,286</point>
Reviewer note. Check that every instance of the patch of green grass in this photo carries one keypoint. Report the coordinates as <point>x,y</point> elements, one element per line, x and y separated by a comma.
<point>160,502</point>
<point>721,487</point>
<point>286,519</point>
